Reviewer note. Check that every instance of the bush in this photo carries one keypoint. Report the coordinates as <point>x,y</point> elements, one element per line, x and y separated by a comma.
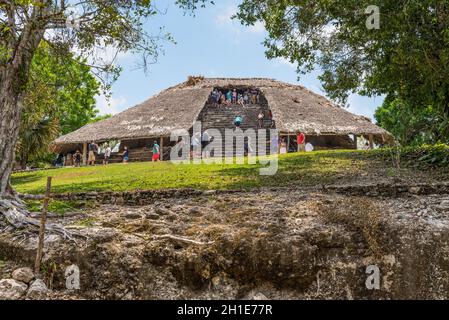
<point>426,156</point>
<point>423,157</point>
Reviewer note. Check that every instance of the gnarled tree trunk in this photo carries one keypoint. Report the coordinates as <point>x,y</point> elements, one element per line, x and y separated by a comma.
<point>13,79</point>
<point>10,110</point>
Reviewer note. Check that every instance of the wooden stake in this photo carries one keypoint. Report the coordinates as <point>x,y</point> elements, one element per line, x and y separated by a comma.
<point>371,141</point>
<point>40,246</point>
<point>161,147</point>
<point>85,155</point>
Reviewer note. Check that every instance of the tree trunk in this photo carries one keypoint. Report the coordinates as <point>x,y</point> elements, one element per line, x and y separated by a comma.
<point>10,110</point>
<point>13,80</point>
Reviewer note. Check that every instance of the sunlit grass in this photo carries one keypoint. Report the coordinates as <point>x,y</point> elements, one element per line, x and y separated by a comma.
<point>306,169</point>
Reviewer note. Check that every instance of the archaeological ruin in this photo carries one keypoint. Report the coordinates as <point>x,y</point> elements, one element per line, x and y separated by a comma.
<point>290,109</point>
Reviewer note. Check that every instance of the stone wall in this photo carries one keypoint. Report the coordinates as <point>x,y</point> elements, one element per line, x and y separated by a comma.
<point>149,196</point>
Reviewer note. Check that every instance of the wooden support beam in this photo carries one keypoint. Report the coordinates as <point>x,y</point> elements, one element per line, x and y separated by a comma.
<point>371,141</point>
<point>85,153</point>
<point>161,147</point>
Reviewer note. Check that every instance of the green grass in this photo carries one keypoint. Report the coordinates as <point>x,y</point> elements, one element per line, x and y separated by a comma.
<point>88,222</point>
<point>59,207</point>
<point>324,167</point>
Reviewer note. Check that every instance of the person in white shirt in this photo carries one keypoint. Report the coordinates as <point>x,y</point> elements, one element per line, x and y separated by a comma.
<point>309,147</point>
<point>260,119</point>
<point>204,142</point>
<point>107,155</point>
<point>196,143</point>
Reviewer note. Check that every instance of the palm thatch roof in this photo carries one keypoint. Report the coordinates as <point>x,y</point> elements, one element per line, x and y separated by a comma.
<point>294,108</point>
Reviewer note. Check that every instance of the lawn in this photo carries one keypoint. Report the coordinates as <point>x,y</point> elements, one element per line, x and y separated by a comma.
<point>324,167</point>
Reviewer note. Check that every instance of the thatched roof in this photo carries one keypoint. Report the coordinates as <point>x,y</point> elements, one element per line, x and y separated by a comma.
<point>294,109</point>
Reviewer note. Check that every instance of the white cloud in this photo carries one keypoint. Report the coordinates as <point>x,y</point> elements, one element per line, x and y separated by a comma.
<point>111,105</point>
<point>225,15</point>
<point>224,20</point>
<point>329,30</point>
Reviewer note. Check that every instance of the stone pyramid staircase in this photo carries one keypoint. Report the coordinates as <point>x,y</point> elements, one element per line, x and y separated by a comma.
<point>222,118</point>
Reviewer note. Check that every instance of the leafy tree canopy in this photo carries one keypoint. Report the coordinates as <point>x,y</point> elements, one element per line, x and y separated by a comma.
<point>60,98</point>
<point>63,88</point>
<point>410,128</point>
<point>407,57</point>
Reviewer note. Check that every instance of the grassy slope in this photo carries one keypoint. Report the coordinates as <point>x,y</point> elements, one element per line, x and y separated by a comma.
<point>310,169</point>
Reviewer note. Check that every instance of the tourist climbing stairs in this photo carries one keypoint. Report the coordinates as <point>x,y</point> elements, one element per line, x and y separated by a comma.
<point>222,118</point>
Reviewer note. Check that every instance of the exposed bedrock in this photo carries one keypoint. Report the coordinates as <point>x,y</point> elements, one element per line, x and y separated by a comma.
<point>268,244</point>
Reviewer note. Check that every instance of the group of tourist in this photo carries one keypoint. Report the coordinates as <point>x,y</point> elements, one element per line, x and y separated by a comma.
<point>93,151</point>
<point>198,139</point>
<point>238,120</point>
<point>69,160</point>
<point>155,149</point>
<point>229,97</point>
<point>283,146</point>
<point>277,146</point>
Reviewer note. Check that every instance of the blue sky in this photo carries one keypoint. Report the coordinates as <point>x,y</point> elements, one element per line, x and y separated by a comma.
<point>212,45</point>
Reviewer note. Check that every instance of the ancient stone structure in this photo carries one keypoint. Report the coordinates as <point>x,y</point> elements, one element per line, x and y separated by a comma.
<point>293,108</point>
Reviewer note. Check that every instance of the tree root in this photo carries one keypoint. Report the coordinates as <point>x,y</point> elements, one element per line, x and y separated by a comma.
<point>180,239</point>
<point>17,216</point>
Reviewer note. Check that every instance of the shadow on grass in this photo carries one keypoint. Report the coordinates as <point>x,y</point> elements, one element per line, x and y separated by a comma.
<point>305,170</point>
<point>24,179</point>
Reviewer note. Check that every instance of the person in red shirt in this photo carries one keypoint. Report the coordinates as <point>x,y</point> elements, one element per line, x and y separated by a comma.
<point>301,140</point>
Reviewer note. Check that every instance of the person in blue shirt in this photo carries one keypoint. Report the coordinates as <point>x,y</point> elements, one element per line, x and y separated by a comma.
<point>229,96</point>
<point>125,155</point>
<point>156,152</point>
<point>238,121</point>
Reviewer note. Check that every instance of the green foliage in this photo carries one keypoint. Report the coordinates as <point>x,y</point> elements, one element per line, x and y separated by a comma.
<point>410,128</point>
<point>407,58</point>
<point>60,98</point>
<point>68,27</point>
<point>59,207</point>
<point>192,5</point>
<point>35,137</point>
<point>69,86</point>
<point>426,156</point>
<point>88,222</point>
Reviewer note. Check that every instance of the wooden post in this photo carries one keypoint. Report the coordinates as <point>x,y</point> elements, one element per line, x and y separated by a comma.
<point>85,153</point>
<point>288,143</point>
<point>371,141</point>
<point>162,148</point>
<point>40,246</point>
